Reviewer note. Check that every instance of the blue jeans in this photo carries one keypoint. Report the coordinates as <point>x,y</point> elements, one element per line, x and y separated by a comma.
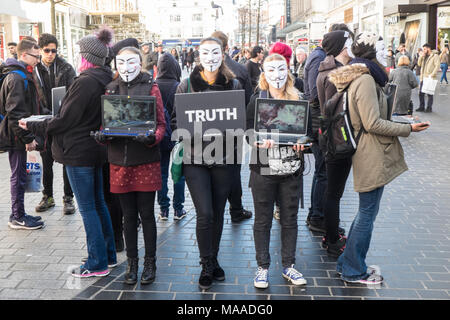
<point>444,68</point>
<point>178,188</point>
<point>87,186</point>
<point>351,262</point>
<point>319,184</point>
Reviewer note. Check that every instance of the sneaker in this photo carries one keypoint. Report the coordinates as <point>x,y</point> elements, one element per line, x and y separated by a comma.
<point>369,279</point>
<point>336,249</point>
<point>45,204</point>
<point>240,215</point>
<point>110,265</point>
<point>25,223</point>
<point>35,218</point>
<point>179,214</point>
<point>164,214</point>
<point>293,276</point>
<point>262,278</point>
<point>373,269</point>
<point>82,272</point>
<point>276,213</point>
<point>68,205</point>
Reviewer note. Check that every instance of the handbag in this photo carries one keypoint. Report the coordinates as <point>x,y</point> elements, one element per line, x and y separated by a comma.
<point>34,172</point>
<point>429,86</point>
<point>176,159</point>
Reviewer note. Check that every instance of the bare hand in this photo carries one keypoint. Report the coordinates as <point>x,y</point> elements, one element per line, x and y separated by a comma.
<point>266,144</point>
<point>31,146</point>
<point>23,124</point>
<point>416,127</point>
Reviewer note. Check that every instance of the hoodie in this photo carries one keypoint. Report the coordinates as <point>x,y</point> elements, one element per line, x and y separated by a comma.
<point>80,115</point>
<point>169,74</point>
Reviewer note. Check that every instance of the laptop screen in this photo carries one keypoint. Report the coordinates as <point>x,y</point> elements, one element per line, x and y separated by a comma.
<point>129,112</point>
<point>281,116</point>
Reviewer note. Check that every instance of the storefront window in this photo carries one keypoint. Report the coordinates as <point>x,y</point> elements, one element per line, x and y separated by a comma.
<point>370,24</point>
<point>443,27</point>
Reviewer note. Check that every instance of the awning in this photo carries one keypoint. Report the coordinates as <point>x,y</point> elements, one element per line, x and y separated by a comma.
<point>292,27</point>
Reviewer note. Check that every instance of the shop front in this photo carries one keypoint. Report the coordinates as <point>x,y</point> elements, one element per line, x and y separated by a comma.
<point>407,27</point>
<point>443,27</point>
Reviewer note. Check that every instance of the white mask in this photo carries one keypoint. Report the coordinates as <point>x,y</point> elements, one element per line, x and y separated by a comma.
<point>210,56</point>
<point>381,53</point>
<point>129,66</point>
<point>348,44</point>
<point>276,72</point>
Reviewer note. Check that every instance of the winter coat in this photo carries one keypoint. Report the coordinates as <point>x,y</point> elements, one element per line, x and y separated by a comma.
<point>18,103</point>
<point>405,80</point>
<point>379,157</point>
<point>326,89</point>
<point>311,72</point>
<point>242,75</point>
<point>80,115</point>
<point>429,66</point>
<point>169,74</point>
<point>64,76</point>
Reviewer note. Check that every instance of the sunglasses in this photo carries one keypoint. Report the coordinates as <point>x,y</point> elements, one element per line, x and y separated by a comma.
<point>50,50</point>
<point>37,57</point>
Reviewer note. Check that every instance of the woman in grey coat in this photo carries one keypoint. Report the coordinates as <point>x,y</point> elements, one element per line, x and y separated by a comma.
<point>405,80</point>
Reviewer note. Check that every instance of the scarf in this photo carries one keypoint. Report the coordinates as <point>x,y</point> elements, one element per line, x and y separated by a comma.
<point>376,72</point>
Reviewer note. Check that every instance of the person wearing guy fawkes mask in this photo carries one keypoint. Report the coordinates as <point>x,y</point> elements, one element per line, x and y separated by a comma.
<point>135,173</point>
<point>276,175</point>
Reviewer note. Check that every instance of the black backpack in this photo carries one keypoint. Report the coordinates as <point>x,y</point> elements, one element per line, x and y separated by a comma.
<point>336,134</point>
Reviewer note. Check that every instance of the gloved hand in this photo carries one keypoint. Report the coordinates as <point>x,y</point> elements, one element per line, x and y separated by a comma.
<point>147,140</point>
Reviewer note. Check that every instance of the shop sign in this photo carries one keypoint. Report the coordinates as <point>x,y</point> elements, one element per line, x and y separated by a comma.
<point>348,15</point>
<point>303,40</point>
<point>391,20</point>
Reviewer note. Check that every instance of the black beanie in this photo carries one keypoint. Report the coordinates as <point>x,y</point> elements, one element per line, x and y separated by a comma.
<point>129,42</point>
<point>334,41</point>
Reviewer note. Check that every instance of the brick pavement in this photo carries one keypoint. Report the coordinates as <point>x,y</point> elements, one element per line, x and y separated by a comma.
<point>410,242</point>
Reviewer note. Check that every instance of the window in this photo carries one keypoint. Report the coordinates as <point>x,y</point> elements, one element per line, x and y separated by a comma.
<point>197,17</point>
<point>175,18</point>
<point>197,32</point>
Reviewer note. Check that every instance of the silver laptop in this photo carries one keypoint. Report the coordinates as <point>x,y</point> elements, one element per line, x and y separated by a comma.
<point>57,98</point>
<point>284,121</point>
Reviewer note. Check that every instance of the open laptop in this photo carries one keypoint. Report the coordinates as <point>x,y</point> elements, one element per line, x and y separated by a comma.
<point>284,121</point>
<point>391,96</point>
<point>57,98</point>
<point>124,116</point>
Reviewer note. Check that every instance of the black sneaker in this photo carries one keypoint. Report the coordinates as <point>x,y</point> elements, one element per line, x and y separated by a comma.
<point>45,204</point>
<point>179,214</point>
<point>240,215</point>
<point>68,205</point>
<point>218,273</point>
<point>420,109</point>
<point>336,249</point>
<point>25,223</point>
<point>206,276</point>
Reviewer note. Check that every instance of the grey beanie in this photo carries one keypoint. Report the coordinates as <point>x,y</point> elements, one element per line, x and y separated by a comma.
<point>94,48</point>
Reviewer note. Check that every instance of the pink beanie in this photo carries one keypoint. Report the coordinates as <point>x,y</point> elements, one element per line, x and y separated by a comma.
<point>282,49</point>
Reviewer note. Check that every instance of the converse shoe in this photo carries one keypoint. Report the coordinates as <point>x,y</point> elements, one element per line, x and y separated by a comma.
<point>164,214</point>
<point>25,223</point>
<point>261,280</point>
<point>293,276</point>
<point>45,204</point>
<point>82,272</point>
<point>179,214</point>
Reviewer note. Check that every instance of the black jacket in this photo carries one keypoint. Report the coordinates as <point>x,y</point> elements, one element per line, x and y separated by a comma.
<point>16,103</point>
<point>63,74</point>
<point>242,75</point>
<point>80,115</point>
<point>127,152</point>
<point>169,74</point>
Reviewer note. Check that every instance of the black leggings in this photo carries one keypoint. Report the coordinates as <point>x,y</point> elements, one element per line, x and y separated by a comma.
<point>337,174</point>
<point>209,188</point>
<point>143,203</point>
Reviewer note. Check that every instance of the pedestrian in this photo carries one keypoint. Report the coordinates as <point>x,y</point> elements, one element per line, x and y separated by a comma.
<point>12,50</point>
<point>237,211</point>
<point>254,65</point>
<point>196,56</point>
<point>146,58</point>
<point>444,57</point>
<point>18,99</point>
<point>183,57</point>
<point>135,172</point>
<point>415,67</point>
<point>190,60</point>
<point>246,55</point>
<point>174,53</point>
<point>363,80</point>
<point>286,51</point>
<point>52,72</point>
<point>269,183</point>
<point>402,52</point>
<point>390,61</point>
<point>83,157</point>
<point>337,45</point>
<point>300,59</point>
<point>405,80</point>
<point>429,66</point>
<point>209,182</point>
<point>168,80</point>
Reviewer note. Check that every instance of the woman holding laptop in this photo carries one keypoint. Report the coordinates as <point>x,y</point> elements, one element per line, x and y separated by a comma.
<point>275,174</point>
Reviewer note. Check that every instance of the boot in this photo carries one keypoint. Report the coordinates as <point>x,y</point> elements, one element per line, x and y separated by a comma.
<point>45,204</point>
<point>149,273</point>
<point>132,270</point>
<point>206,276</point>
<point>218,273</point>
<point>69,207</point>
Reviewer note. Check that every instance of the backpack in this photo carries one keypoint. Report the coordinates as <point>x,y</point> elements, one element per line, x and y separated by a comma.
<point>2,77</point>
<point>336,134</point>
<point>166,143</point>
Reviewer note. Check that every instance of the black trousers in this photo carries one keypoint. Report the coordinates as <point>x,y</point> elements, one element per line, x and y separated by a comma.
<point>287,192</point>
<point>142,203</point>
<point>235,197</point>
<point>113,204</point>
<point>47,173</point>
<point>209,187</point>
<point>337,174</point>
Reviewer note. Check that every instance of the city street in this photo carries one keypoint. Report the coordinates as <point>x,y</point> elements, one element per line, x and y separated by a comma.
<point>410,243</point>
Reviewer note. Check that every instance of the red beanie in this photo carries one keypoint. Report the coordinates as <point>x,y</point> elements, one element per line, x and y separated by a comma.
<point>283,49</point>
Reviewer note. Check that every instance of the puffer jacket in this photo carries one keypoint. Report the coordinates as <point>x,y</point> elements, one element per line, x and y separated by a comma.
<point>379,157</point>
<point>430,66</point>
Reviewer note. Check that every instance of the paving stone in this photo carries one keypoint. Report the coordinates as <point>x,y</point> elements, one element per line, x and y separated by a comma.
<point>143,295</point>
<point>43,284</point>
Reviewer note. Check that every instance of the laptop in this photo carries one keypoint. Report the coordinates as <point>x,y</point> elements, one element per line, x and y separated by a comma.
<point>284,121</point>
<point>124,116</point>
<point>57,97</point>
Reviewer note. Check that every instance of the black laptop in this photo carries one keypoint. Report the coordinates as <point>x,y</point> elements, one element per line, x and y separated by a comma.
<point>124,116</point>
<point>284,121</point>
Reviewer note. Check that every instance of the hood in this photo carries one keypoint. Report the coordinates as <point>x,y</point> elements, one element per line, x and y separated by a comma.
<point>168,68</point>
<point>328,64</point>
<point>14,64</point>
<point>101,74</point>
<point>343,76</point>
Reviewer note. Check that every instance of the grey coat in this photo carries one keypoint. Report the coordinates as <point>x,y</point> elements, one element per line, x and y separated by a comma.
<point>405,80</point>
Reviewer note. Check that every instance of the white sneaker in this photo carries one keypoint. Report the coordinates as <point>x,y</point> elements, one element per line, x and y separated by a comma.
<point>293,276</point>
<point>262,278</point>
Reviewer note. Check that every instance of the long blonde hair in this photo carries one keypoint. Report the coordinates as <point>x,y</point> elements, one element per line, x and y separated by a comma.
<point>289,92</point>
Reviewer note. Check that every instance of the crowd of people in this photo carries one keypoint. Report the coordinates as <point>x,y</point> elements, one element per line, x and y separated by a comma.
<point>116,181</point>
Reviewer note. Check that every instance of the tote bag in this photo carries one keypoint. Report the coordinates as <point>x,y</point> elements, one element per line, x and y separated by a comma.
<point>429,85</point>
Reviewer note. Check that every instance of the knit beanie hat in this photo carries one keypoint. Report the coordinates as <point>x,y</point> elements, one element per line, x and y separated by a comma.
<point>129,42</point>
<point>334,41</point>
<point>94,48</point>
<point>365,45</point>
<point>282,49</point>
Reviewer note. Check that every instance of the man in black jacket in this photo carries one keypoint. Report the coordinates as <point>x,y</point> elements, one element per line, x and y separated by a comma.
<point>52,72</point>
<point>237,211</point>
<point>18,99</point>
